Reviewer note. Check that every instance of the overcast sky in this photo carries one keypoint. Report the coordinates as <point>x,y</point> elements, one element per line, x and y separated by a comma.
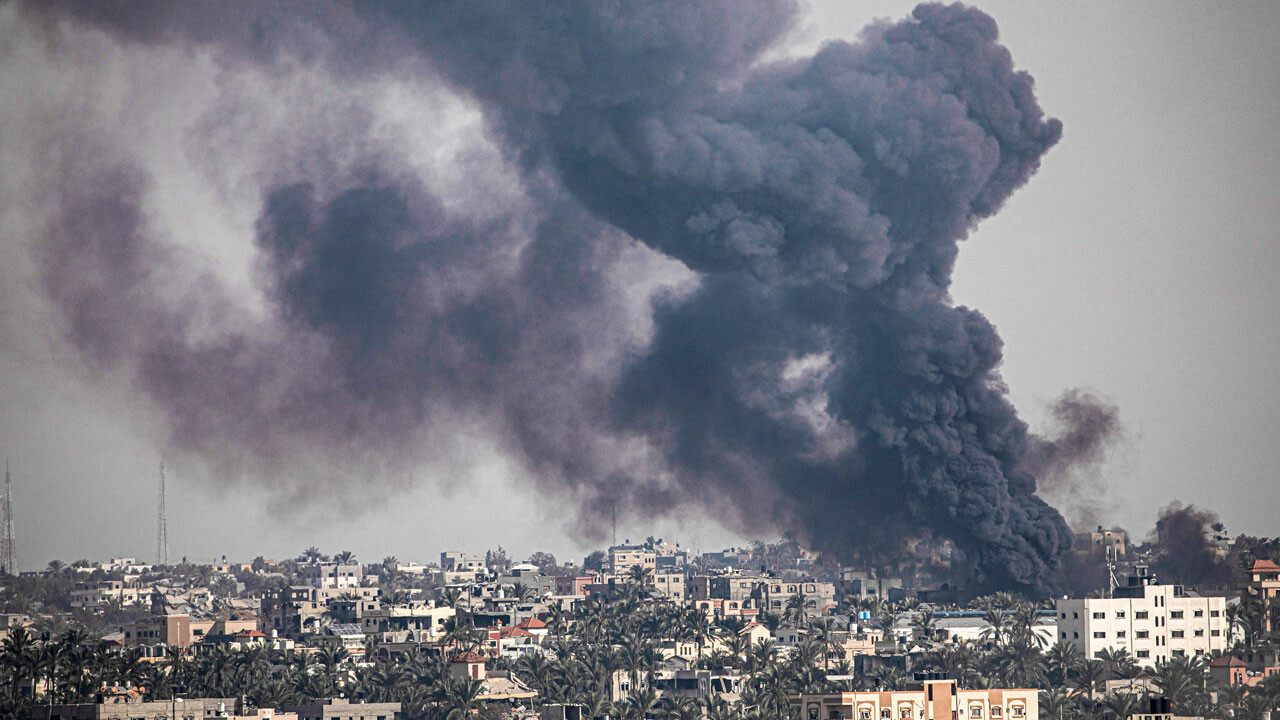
<point>1140,263</point>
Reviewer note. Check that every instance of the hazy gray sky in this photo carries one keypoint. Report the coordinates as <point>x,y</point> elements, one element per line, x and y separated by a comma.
<point>1140,263</point>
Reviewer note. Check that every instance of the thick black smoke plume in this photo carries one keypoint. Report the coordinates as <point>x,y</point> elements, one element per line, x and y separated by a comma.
<point>1185,550</point>
<point>818,377</point>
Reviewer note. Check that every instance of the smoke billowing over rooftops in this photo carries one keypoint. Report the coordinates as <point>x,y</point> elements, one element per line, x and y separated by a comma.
<point>721,283</point>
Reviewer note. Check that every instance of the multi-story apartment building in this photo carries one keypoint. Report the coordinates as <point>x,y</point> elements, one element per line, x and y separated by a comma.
<point>1152,622</point>
<point>460,562</point>
<point>624,557</point>
<point>1262,583</point>
<point>929,700</point>
<point>332,575</point>
<point>91,595</point>
<point>817,596</point>
<point>1113,543</point>
<point>406,617</point>
<point>671,584</point>
<point>170,630</point>
<point>289,610</point>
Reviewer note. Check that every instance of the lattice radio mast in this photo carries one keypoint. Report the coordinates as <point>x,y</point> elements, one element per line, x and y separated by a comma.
<point>162,525</point>
<point>6,550</point>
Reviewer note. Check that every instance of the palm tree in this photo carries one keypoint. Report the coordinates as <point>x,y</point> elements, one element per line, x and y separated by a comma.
<point>17,654</point>
<point>1061,660</point>
<point>1120,663</point>
<point>311,554</point>
<point>794,611</point>
<point>641,575</point>
<point>461,696</point>
<point>640,703</point>
<point>1090,675</point>
<point>995,619</point>
<point>923,624</point>
<point>1119,706</point>
<point>889,678</point>
<point>1053,703</point>
<point>346,557</point>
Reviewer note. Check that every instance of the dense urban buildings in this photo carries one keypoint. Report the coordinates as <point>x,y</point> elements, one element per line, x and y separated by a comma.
<point>643,629</point>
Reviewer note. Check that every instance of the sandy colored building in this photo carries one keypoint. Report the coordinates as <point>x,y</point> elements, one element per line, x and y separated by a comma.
<point>931,700</point>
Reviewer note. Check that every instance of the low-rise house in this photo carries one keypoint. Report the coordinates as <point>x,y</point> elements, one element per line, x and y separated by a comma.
<point>342,709</point>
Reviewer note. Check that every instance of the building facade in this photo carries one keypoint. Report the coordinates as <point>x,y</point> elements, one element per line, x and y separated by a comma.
<point>932,700</point>
<point>1152,622</point>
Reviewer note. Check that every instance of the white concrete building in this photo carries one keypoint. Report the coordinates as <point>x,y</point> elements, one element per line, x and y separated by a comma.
<point>332,575</point>
<point>1153,622</point>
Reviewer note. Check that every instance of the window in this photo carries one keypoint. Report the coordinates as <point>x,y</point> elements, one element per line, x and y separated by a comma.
<point>1175,633</point>
<point>1119,614</point>
<point>1175,614</point>
<point>885,714</point>
<point>996,712</point>
<point>1142,634</point>
<point>1215,633</point>
<point>1200,633</point>
<point>1214,613</point>
<point>1144,653</point>
<point>864,715</point>
<point>1179,653</point>
<point>1100,634</point>
<point>1120,633</point>
<point>1064,616</point>
<point>1100,616</point>
<point>1075,615</point>
<point>975,711</point>
<point>1075,635</point>
<point>904,712</point>
<point>1140,615</point>
<point>1016,711</point>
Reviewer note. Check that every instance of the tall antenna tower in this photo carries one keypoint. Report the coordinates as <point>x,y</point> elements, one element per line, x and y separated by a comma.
<point>162,525</point>
<point>7,557</point>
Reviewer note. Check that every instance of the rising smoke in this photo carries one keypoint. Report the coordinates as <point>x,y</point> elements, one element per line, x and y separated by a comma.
<point>794,360</point>
<point>1067,459</point>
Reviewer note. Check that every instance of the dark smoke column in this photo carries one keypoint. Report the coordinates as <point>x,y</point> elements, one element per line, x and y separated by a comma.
<point>818,379</point>
<point>820,374</point>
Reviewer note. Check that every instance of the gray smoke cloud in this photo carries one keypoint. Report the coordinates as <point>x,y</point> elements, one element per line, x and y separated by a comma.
<point>800,365</point>
<point>1067,459</point>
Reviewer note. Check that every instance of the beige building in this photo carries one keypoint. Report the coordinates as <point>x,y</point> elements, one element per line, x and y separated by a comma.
<point>932,700</point>
<point>1262,583</point>
<point>624,557</point>
<point>1113,543</point>
<point>818,596</point>
<point>341,709</point>
<point>671,584</point>
<point>170,630</point>
<point>1152,622</point>
<point>129,707</point>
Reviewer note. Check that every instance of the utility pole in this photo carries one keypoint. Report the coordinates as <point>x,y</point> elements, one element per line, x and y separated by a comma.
<point>162,525</point>
<point>7,556</point>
